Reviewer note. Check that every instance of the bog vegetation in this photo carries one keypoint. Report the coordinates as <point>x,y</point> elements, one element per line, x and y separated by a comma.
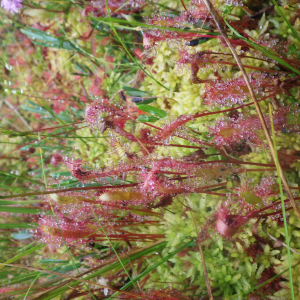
<point>150,149</point>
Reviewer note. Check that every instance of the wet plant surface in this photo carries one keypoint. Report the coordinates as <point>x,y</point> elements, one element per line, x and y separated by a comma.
<point>150,149</point>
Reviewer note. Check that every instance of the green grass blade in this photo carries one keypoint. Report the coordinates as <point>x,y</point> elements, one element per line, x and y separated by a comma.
<point>115,266</point>
<point>42,162</point>
<point>295,34</point>
<point>43,39</point>
<point>124,46</point>
<point>25,251</point>
<point>263,50</point>
<point>12,202</point>
<point>107,20</point>
<point>112,246</point>
<point>283,209</point>
<point>21,178</point>
<point>152,110</point>
<point>74,265</point>
<point>271,279</point>
<point>21,279</point>
<point>8,187</point>
<point>17,225</point>
<point>154,266</point>
<point>51,112</point>
<point>20,210</point>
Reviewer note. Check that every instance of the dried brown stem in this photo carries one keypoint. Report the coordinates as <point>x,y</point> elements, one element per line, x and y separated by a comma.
<point>283,244</point>
<point>220,27</point>
<point>183,5</point>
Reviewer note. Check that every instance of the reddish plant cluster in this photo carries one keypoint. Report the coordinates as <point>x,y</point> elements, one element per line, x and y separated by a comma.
<point>81,218</point>
<point>157,178</point>
<point>120,200</point>
<point>273,285</point>
<point>231,217</point>
<point>116,7</point>
<point>56,159</point>
<point>229,131</point>
<point>154,181</point>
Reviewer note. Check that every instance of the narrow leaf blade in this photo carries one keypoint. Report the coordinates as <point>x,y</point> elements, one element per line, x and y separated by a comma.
<point>152,110</point>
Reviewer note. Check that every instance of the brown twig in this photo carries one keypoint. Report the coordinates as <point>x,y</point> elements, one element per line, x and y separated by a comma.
<point>183,5</point>
<point>283,244</point>
<point>221,29</point>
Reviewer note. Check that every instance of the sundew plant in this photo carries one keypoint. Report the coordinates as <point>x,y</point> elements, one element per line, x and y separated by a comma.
<point>150,149</point>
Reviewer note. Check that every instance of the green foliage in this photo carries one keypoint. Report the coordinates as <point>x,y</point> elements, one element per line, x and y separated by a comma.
<point>152,110</point>
<point>145,118</point>
<point>43,39</point>
<point>134,92</point>
<point>265,51</point>
<point>64,70</point>
<point>24,251</point>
